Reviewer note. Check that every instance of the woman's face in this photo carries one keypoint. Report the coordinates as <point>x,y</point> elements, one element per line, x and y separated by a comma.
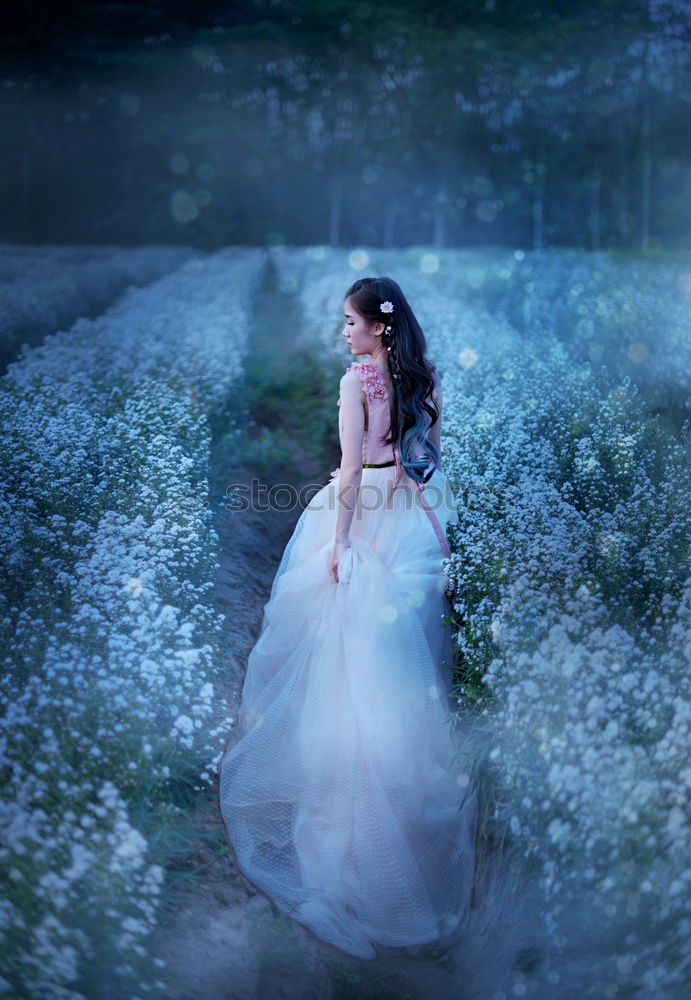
<point>358,333</point>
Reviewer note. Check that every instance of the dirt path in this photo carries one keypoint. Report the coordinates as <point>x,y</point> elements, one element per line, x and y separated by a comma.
<point>224,940</point>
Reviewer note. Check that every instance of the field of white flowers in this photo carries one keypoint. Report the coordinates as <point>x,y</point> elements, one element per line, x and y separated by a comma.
<point>109,631</point>
<point>566,437</point>
<point>44,289</point>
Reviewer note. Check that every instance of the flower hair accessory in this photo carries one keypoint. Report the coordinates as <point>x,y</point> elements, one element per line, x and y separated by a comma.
<point>386,307</point>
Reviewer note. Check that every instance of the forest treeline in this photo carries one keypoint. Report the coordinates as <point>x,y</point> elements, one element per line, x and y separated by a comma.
<point>389,123</point>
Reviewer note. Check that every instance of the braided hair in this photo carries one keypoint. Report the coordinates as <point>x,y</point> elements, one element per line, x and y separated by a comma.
<point>412,375</point>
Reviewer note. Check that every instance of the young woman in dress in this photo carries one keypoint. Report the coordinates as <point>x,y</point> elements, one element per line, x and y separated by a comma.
<point>344,789</point>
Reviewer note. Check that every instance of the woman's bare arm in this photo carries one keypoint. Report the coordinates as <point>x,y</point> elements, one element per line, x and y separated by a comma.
<point>353,428</point>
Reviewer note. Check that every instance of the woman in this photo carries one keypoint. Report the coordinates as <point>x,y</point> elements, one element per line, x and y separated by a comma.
<point>342,786</point>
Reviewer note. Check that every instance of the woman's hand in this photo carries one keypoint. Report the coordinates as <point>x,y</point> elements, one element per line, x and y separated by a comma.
<point>336,472</point>
<point>337,550</point>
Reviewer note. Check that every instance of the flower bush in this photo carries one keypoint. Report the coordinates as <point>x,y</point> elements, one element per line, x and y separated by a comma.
<point>565,441</point>
<point>48,288</point>
<point>613,308</point>
<point>110,632</point>
<point>570,579</point>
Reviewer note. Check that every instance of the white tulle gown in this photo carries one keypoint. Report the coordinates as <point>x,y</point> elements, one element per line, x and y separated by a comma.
<point>344,789</point>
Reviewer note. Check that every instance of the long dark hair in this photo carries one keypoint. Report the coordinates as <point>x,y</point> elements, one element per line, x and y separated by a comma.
<point>411,374</point>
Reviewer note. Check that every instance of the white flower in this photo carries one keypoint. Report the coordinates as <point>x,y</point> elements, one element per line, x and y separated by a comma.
<point>386,307</point>
<point>184,724</point>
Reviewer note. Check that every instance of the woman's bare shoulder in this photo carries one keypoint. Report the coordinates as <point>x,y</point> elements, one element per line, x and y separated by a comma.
<point>350,377</point>
<point>351,384</point>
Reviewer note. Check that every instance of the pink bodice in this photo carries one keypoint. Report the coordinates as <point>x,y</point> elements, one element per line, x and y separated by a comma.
<point>374,450</point>
<point>378,423</point>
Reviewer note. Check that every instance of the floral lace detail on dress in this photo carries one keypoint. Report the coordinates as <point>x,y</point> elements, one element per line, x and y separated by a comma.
<point>372,379</point>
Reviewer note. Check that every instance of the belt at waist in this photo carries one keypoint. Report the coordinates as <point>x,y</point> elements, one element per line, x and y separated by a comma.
<point>377,465</point>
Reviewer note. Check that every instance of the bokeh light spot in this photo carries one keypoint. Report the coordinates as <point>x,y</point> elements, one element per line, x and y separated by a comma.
<point>179,163</point>
<point>358,259</point>
<point>206,173</point>
<point>482,186</point>
<point>416,598</point>
<point>429,263</point>
<point>637,351</point>
<point>183,207</point>
<point>315,253</point>
<point>486,211</point>
<point>475,276</point>
<point>468,357</point>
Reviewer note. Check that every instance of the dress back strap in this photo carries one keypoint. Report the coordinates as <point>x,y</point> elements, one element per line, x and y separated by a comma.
<point>443,541</point>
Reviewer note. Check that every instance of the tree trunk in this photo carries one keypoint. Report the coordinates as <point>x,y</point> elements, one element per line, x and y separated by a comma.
<point>646,174</point>
<point>57,217</point>
<point>595,209</point>
<point>623,220</point>
<point>390,223</point>
<point>539,203</point>
<point>335,210</point>
<point>439,234</point>
<point>26,218</point>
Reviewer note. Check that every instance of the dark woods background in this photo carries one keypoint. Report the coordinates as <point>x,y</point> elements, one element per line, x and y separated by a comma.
<point>389,123</point>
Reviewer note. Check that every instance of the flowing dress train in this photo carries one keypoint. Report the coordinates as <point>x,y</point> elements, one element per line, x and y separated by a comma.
<point>344,788</point>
